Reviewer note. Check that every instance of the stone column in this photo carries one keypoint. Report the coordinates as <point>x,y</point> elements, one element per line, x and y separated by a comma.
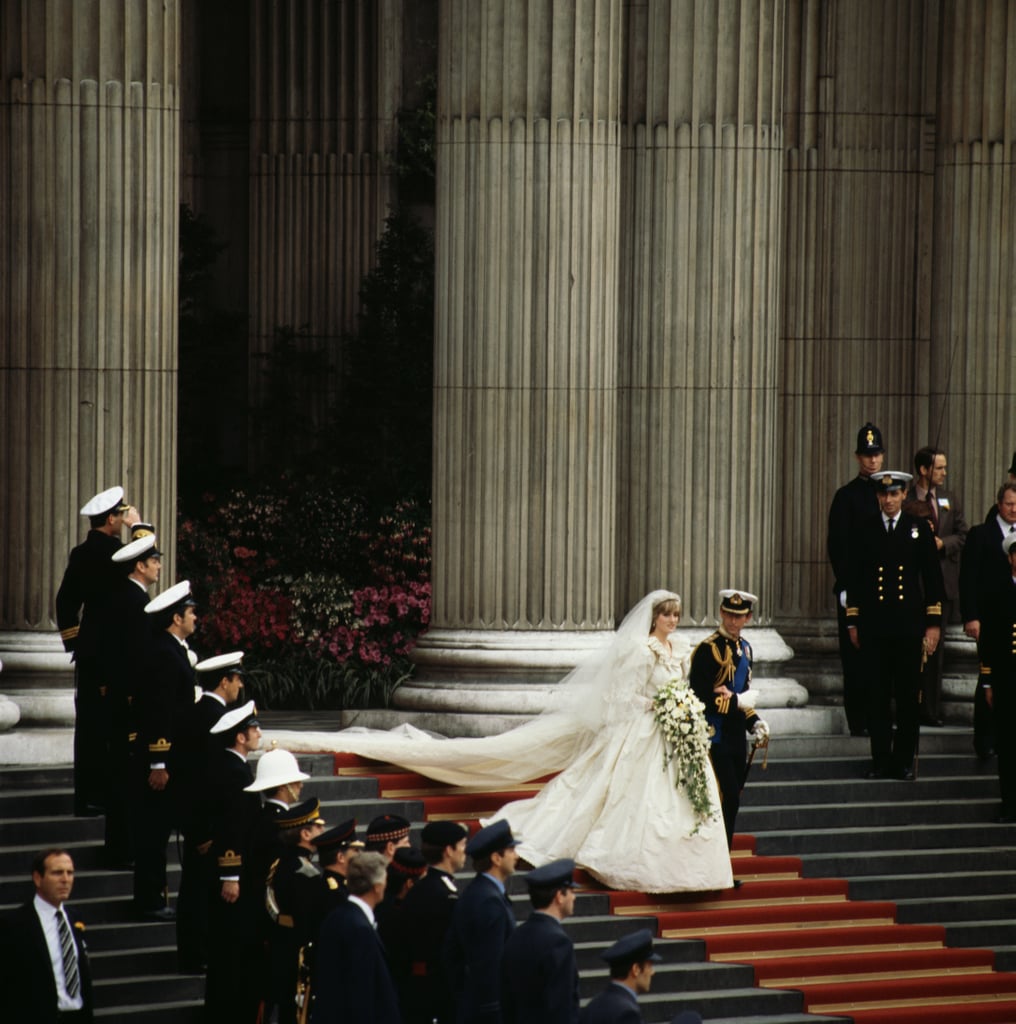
<point>525,338</point>
<point>89,126</point>
<point>325,88</point>
<point>701,444</point>
<point>973,376</point>
<point>860,131</point>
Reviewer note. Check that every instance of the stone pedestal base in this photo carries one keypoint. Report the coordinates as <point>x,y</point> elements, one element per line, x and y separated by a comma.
<point>509,675</point>
<point>37,704</point>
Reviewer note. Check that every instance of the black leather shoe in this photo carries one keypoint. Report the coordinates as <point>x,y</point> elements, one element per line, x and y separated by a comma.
<point>162,914</point>
<point>859,732</point>
<point>874,773</point>
<point>905,775</point>
<point>932,723</point>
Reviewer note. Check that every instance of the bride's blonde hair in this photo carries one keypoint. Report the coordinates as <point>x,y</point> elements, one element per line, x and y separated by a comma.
<point>668,604</point>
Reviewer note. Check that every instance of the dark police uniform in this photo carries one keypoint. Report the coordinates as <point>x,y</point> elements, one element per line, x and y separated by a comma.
<point>894,594</point>
<point>165,693</point>
<point>853,504</point>
<point>482,923</point>
<point>618,1004</point>
<point>88,582</point>
<point>715,662</point>
<point>539,979</point>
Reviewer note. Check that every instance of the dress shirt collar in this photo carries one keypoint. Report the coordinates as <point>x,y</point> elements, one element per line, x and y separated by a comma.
<point>1003,525</point>
<point>496,881</point>
<point>624,988</point>
<point>367,909</point>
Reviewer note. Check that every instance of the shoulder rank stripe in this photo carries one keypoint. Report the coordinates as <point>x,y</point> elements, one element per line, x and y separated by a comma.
<point>160,746</point>
<point>985,670</point>
<point>934,609</point>
<point>230,859</point>
<point>723,705</point>
<point>70,633</point>
<point>851,611</point>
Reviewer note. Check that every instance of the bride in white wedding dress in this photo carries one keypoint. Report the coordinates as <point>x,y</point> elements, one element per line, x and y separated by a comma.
<point>614,808</point>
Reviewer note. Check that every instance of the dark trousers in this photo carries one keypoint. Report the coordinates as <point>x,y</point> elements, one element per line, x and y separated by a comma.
<point>855,697</point>
<point>1004,697</point>
<point>984,722</point>
<point>119,842</point>
<point>236,964</point>
<point>892,666</point>
<point>91,738</point>
<point>198,886</point>
<point>153,825</point>
<point>729,757</point>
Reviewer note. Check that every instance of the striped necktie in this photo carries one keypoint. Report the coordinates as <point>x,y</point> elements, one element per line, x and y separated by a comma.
<point>72,981</point>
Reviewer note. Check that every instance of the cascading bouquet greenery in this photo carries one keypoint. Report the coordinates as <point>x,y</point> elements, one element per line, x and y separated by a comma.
<point>681,718</point>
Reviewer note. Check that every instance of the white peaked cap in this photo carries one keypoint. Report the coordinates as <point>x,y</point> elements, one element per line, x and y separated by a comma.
<point>105,501</point>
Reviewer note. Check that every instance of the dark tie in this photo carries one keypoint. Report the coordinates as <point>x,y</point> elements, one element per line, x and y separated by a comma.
<point>934,509</point>
<point>70,960</point>
<point>891,525</point>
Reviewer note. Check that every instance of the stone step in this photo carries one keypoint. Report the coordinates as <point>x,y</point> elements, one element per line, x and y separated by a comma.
<point>784,841</point>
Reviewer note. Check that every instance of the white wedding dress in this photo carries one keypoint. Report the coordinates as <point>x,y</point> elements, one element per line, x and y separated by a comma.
<point>614,807</point>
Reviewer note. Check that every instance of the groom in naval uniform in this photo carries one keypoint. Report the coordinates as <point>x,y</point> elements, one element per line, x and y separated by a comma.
<point>721,679</point>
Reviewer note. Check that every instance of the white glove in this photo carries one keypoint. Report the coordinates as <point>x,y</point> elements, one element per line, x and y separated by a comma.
<point>843,599</point>
<point>760,733</point>
<point>746,700</point>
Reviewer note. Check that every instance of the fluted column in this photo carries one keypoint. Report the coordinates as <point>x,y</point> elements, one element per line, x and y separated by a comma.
<point>973,375</point>
<point>525,332</point>
<point>89,125</point>
<point>325,83</point>
<point>860,135</point>
<point>700,444</point>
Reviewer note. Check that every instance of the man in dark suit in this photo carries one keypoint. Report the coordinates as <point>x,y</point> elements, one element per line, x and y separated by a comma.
<point>998,673</point>
<point>853,504</point>
<point>631,961</point>
<point>164,695</point>
<point>721,678</point>
<point>352,981</point>
<point>950,530</point>
<point>983,572</point>
<point>540,982</point>
<point>88,581</point>
<point>44,973</point>
<point>894,615</point>
<point>425,992</point>
<point>482,923</point>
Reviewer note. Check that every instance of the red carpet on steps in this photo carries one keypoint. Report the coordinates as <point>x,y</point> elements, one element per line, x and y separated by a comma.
<point>846,957</point>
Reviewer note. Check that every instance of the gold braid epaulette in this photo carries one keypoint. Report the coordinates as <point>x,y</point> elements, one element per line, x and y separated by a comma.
<point>725,661</point>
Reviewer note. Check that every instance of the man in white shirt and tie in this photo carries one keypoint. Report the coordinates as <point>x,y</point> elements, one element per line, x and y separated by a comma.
<point>44,974</point>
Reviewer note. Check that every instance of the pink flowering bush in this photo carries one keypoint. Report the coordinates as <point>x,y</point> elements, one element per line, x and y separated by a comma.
<point>326,599</point>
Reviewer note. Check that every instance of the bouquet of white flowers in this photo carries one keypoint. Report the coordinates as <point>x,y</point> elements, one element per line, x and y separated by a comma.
<point>681,718</point>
